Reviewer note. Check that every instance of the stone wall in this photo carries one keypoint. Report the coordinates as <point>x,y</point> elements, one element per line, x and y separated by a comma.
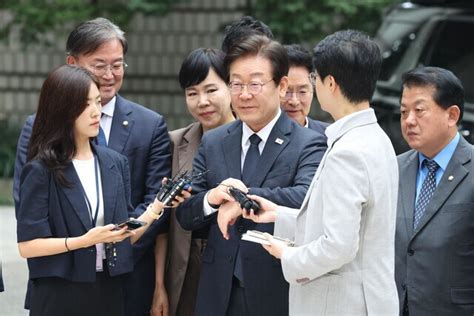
<point>157,46</point>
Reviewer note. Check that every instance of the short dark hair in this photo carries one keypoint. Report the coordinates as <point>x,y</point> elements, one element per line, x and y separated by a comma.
<point>448,88</point>
<point>63,98</point>
<point>257,45</point>
<point>197,64</point>
<point>354,61</point>
<point>298,56</point>
<point>88,36</point>
<point>244,27</point>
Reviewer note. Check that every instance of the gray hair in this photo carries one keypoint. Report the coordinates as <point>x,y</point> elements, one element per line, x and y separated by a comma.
<point>88,36</point>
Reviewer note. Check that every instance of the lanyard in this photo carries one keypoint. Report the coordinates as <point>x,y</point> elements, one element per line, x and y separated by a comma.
<point>89,207</point>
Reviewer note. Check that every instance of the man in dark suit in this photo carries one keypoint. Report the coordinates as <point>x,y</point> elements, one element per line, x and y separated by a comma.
<point>128,128</point>
<point>299,96</point>
<point>238,277</point>
<point>434,267</point>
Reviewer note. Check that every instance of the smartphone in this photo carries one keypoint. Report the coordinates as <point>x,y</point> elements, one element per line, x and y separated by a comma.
<point>131,224</point>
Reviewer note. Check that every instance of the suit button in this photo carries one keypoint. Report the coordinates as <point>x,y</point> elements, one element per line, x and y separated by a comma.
<point>411,252</point>
<point>241,229</point>
<point>404,286</point>
<point>230,259</point>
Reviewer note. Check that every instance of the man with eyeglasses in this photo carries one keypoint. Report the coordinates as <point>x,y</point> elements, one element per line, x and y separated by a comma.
<point>298,97</point>
<point>128,128</point>
<point>342,260</point>
<point>265,153</point>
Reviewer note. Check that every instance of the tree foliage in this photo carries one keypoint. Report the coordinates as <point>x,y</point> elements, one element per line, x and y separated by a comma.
<point>292,21</point>
<point>35,18</point>
<point>298,21</point>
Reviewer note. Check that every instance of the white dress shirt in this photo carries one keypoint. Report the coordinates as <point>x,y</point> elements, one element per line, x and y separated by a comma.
<point>107,116</point>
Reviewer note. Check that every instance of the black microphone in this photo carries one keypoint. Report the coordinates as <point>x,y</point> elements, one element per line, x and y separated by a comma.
<point>245,202</point>
<point>174,186</point>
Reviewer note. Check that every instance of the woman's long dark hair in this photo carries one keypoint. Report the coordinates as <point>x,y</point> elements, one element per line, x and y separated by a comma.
<point>62,99</point>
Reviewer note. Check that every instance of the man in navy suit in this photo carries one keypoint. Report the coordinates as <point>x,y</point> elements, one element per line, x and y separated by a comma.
<point>238,277</point>
<point>298,97</point>
<point>128,128</point>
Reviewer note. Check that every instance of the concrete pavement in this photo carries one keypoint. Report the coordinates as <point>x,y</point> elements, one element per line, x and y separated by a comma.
<point>14,268</point>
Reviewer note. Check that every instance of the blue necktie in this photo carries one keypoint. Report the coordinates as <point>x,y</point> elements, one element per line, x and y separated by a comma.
<point>427,189</point>
<point>101,140</point>
<point>251,159</point>
<point>250,164</point>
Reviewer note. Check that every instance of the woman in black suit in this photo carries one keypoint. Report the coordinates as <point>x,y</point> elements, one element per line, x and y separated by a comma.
<point>72,194</point>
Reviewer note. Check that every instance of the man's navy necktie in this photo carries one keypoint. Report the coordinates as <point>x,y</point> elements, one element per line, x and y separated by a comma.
<point>251,159</point>
<point>101,140</point>
<point>250,165</point>
<point>427,189</point>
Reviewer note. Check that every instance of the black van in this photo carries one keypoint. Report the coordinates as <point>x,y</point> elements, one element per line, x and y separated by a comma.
<point>424,33</point>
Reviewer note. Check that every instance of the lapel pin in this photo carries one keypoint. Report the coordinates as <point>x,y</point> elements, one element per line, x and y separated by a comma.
<point>279,141</point>
<point>125,123</point>
<point>450,178</point>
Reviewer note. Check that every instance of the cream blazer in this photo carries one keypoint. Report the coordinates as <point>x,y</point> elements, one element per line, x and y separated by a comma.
<point>343,262</point>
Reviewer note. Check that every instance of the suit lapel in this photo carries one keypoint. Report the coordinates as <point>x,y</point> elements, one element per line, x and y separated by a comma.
<point>120,131</point>
<point>190,142</point>
<point>315,179</point>
<point>108,176</point>
<point>232,150</point>
<point>362,119</point>
<point>313,182</point>
<point>75,196</point>
<point>183,157</point>
<point>185,152</point>
<point>456,171</point>
<point>408,174</point>
<point>278,139</point>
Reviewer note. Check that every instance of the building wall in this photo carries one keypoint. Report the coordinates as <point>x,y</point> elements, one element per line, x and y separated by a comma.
<point>157,46</point>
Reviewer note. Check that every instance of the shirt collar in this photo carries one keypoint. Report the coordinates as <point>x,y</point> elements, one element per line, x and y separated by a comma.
<point>306,122</point>
<point>109,108</point>
<point>444,156</point>
<point>264,133</point>
<point>343,125</point>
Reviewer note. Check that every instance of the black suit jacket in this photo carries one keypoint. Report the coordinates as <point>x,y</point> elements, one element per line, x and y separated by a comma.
<point>435,263</point>
<point>49,209</point>
<point>285,170</point>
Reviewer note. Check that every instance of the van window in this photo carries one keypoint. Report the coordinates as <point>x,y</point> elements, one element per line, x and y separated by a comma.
<point>394,38</point>
<point>454,50</point>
